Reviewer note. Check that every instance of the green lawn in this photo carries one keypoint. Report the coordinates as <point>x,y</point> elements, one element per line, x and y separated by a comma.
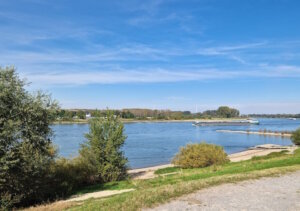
<point>151,192</point>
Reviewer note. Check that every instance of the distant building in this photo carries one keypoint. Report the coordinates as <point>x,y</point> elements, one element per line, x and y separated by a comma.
<point>88,115</point>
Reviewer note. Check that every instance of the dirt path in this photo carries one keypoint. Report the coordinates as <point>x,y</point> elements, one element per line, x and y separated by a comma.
<point>99,194</point>
<point>146,173</point>
<point>277,193</point>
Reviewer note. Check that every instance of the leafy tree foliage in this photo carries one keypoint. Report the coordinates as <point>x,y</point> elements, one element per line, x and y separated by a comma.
<point>296,137</point>
<point>102,150</point>
<point>127,115</point>
<point>226,112</point>
<point>81,114</point>
<point>144,114</point>
<point>26,153</point>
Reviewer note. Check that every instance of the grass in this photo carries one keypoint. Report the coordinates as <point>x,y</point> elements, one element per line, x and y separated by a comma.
<point>152,192</point>
<point>107,186</point>
<point>167,170</point>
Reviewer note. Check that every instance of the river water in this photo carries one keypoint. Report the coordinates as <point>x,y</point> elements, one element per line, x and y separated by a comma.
<point>150,144</point>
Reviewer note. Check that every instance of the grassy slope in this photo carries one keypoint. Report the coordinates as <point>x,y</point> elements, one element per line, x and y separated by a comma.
<point>159,190</point>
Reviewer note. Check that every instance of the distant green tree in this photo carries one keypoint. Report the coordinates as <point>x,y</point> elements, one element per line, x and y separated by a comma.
<point>186,113</point>
<point>296,137</point>
<point>26,152</point>
<point>177,115</point>
<point>68,115</point>
<point>210,113</point>
<point>81,114</point>
<point>96,113</point>
<point>226,112</point>
<point>61,114</point>
<point>127,115</point>
<point>102,150</point>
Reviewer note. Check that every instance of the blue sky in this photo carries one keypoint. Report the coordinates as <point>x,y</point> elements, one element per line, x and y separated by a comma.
<point>159,54</point>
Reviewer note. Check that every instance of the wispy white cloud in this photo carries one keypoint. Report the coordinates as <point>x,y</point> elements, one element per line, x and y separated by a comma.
<point>156,75</point>
<point>128,52</point>
<point>230,51</point>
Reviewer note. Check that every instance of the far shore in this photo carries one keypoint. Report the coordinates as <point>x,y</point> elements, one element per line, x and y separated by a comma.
<point>85,121</point>
<point>257,133</point>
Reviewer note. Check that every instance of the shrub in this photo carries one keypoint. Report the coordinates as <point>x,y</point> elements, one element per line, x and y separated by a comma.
<point>200,155</point>
<point>296,137</point>
<point>69,175</point>
<point>102,150</point>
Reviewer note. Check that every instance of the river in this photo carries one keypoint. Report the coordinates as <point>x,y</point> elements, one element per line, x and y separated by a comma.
<point>150,144</point>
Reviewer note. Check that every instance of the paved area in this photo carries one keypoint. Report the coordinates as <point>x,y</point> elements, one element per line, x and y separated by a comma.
<point>275,193</point>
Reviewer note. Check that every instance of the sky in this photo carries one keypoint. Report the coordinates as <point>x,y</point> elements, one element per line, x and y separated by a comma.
<point>158,54</point>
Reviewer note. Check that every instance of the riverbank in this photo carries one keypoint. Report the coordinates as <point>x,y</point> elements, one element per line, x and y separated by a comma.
<point>257,133</point>
<point>259,150</point>
<point>173,182</point>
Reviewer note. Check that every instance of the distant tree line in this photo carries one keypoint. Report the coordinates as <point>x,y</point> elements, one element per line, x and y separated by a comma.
<point>274,115</point>
<point>148,114</point>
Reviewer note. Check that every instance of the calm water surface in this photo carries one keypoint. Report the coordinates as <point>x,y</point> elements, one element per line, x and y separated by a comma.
<point>150,144</point>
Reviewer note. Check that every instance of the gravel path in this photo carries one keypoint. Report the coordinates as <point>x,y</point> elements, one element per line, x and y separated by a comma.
<point>275,193</point>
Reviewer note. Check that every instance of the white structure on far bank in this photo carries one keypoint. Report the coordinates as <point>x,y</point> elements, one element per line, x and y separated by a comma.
<point>88,115</point>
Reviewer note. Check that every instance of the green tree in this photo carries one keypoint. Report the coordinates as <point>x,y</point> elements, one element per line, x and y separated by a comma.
<point>96,113</point>
<point>296,137</point>
<point>26,152</point>
<point>102,150</point>
<point>81,114</point>
<point>226,112</point>
<point>127,115</point>
<point>68,115</point>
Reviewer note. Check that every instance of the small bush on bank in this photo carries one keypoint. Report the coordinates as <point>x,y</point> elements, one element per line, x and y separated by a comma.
<point>296,137</point>
<point>200,155</point>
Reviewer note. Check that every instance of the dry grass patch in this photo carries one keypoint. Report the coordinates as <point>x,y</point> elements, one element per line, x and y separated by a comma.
<point>55,206</point>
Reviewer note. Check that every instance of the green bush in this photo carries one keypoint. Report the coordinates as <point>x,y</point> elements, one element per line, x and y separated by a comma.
<point>102,150</point>
<point>69,175</point>
<point>200,155</point>
<point>296,137</point>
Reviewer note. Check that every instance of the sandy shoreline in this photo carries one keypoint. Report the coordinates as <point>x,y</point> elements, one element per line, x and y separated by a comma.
<point>259,150</point>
